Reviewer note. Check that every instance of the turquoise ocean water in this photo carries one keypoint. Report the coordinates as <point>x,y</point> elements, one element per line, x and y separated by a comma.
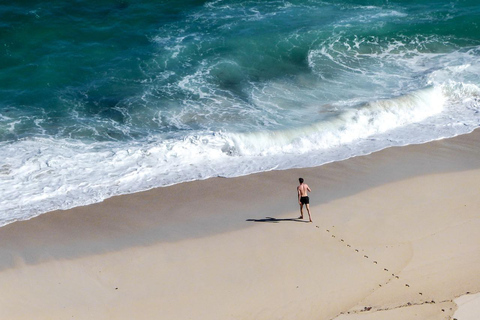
<point>101,98</point>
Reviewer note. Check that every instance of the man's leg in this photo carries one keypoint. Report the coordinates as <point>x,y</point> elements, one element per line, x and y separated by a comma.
<point>301,211</point>
<point>308,211</point>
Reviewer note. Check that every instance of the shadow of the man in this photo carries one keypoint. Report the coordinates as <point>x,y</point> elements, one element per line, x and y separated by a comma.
<point>275,220</point>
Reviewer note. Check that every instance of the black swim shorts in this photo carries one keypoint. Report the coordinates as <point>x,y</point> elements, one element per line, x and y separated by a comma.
<point>304,200</point>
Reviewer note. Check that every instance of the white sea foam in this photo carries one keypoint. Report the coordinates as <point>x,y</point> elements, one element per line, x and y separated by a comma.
<point>45,174</point>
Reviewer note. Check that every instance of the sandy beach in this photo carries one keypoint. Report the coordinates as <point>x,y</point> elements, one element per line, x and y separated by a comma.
<point>395,236</point>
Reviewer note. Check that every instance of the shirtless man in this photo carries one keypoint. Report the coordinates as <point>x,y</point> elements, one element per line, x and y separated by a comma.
<point>303,199</point>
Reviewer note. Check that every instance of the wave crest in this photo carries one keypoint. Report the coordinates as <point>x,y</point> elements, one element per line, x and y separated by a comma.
<point>359,123</point>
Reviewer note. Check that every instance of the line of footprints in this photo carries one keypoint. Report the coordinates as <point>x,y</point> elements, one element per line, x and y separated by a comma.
<point>375,262</point>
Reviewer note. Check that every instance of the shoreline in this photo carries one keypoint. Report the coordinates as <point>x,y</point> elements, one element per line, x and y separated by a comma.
<point>33,212</point>
<point>233,246</point>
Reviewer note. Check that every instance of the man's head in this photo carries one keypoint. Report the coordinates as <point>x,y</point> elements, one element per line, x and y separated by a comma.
<point>300,180</point>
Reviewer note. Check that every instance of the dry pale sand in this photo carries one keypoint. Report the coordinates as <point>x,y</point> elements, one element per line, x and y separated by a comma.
<point>468,307</point>
<point>395,236</point>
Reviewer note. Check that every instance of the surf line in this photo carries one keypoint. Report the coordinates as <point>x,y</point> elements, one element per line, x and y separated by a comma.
<point>393,276</point>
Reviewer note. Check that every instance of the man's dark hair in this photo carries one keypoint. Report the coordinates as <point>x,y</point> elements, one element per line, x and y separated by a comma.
<point>300,179</point>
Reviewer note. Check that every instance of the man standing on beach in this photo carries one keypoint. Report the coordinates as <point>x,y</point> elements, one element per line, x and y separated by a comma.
<point>303,199</point>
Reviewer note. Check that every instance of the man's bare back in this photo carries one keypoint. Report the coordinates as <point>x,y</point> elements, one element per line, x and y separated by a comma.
<point>303,189</point>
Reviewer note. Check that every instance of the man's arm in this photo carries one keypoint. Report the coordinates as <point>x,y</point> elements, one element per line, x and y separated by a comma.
<point>299,195</point>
